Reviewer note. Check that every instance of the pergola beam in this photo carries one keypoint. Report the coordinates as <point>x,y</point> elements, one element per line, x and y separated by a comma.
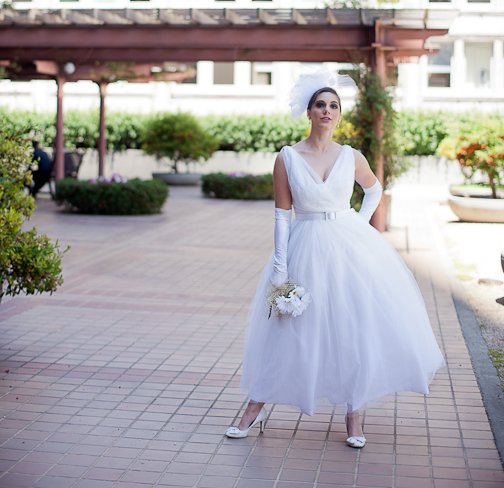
<point>171,17</point>
<point>355,54</point>
<point>105,38</point>
<point>233,17</point>
<point>202,18</point>
<point>298,18</point>
<point>265,17</point>
<point>78,18</point>
<point>331,18</point>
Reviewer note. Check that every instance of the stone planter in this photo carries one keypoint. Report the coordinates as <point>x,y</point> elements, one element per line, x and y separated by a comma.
<point>477,209</point>
<point>179,179</point>
<point>472,191</point>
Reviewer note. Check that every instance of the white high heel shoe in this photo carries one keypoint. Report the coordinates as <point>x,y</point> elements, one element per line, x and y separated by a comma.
<point>356,441</point>
<point>236,433</point>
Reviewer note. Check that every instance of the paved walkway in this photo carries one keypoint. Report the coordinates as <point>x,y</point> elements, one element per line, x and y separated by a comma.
<point>128,375</point>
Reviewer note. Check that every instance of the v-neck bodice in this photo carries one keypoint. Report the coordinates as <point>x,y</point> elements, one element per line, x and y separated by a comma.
<point>312,194</point>
<point>313,172</point>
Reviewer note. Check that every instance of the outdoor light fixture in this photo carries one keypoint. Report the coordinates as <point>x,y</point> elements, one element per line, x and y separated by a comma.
<point>69,68</point>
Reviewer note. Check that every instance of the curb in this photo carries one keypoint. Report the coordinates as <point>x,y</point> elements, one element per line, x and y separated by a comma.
<point>486,375</point>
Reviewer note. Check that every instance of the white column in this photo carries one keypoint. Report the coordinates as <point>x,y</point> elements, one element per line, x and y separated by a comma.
<point>423,76</point>
<point>497,67</point>
<point>458,66</point>
<point>205,71</point>
<point>242,72</point>
<point>161,96</point>
<point>410,84</point>
<point>283,76</point>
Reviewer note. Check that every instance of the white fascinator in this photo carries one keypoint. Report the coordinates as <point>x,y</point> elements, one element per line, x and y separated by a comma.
<point>308,83</point>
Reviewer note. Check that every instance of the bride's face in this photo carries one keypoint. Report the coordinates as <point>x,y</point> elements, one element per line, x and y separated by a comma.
<point>325,111</point>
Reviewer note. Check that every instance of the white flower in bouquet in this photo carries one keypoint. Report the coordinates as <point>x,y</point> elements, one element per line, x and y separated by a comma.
<point>288,299</point>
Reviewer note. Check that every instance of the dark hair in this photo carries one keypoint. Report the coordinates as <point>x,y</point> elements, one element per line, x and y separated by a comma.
<point>323,90</point>
<point>35,143</point>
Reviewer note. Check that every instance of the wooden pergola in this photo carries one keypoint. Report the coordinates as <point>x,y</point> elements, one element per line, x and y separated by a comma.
<point>40,43</point>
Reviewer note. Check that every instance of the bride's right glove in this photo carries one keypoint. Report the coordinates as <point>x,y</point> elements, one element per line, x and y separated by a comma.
<point>282,231</point>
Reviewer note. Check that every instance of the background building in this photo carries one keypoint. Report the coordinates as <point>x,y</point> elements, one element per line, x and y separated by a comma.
<point>467,73</point>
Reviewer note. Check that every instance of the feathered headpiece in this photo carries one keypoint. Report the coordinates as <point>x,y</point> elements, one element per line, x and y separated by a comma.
<point>308,83</point>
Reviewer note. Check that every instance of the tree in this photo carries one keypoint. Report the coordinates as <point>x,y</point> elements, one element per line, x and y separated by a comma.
<point>178,137</point>
<point>29,262</point>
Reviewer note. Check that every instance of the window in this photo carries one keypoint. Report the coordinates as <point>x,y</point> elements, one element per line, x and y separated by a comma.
<point>478,1</point>
<point>260,74</point>
<point>193,67</point>
<point>223,73</point>
<point>442,57</point>
<point>478,56</point>
<point>439,1</point>
<point>439,67</point>
<point>439,80</point>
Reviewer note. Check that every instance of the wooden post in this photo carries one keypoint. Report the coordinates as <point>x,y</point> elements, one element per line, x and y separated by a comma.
<point>379,68</point>
<point>59,156</point>
<point>102,141</point>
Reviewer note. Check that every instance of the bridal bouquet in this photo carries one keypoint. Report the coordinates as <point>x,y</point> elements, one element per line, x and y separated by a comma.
<point>288,299</point>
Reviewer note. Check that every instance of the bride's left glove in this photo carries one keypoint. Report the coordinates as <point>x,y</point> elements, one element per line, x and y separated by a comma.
<point>282,232</point>
<point>371,200</point>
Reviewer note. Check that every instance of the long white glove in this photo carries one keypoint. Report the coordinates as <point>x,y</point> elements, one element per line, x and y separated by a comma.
<point>282,232</point>
<point>371,200</point>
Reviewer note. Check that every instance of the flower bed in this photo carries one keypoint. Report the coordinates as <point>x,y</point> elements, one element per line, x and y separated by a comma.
<point>113,196</point>
<point>240,186</point>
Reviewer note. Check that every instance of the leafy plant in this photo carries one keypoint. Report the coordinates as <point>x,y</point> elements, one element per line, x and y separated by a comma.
<point>374,101</point>
<point>487,157</point>
<point>241,187</point>
<point>134,197</point>
<point>29,262</point>
<point>479,149</point>
<point>179,137</point>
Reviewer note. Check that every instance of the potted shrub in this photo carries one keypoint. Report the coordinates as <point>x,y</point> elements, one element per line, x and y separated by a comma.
<point>177,139</point>
<point>481,160</point>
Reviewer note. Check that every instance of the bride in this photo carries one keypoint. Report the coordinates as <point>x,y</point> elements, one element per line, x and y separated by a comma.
<point>366,333</point>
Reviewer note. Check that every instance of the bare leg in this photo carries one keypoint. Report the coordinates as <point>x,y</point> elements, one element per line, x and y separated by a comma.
<point>250,414</point>
<point>354,427</point>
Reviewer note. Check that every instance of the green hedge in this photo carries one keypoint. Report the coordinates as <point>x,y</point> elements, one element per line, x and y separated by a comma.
<point>420,133</point>
<point>135,197</point>
<point>246,187</point>
<point>80,128</point>
<point>266,133</point>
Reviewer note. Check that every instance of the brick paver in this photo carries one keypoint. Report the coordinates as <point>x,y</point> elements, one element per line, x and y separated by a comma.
<point>128,375</point>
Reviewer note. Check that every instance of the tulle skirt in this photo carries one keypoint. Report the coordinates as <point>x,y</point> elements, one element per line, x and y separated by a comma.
<point>365,335</point>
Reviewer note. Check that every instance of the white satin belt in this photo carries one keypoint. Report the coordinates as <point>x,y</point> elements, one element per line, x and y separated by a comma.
<point>327,215</point>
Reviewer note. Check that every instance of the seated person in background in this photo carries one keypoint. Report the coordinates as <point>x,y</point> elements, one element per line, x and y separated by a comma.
<point>42,174</point>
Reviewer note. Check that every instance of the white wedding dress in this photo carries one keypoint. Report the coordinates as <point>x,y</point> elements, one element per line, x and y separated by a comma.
<point>366,333</point>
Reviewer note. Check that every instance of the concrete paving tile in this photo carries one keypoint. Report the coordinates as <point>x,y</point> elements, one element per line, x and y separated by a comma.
<point>18,480</point>
<point>128,375</point>
<point>54,482</point>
